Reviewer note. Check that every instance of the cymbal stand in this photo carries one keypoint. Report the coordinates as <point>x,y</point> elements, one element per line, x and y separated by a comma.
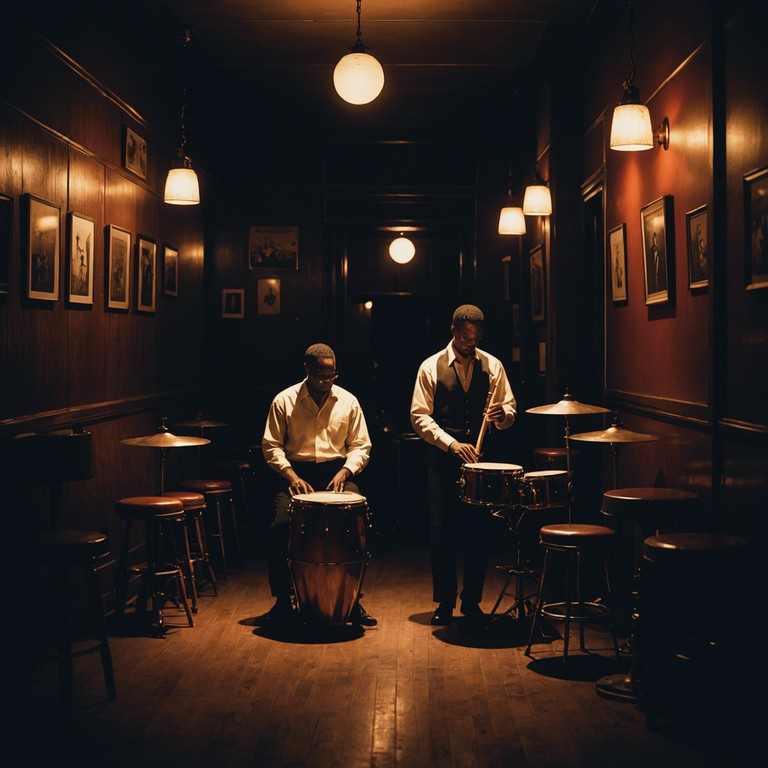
<point>513,515</point>
<point>568,471</point>
<point>615,447</point>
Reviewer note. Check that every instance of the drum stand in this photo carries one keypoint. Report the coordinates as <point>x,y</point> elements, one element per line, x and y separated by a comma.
<point>513,515</point>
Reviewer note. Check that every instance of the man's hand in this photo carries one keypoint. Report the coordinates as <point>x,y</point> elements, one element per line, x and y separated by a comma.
<point>465,452</point>
<point>495,413</point>
<point>339,480</point>
<point>296,484</point>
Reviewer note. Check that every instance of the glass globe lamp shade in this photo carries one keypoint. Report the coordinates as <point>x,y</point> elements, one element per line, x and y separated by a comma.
<point>182,187</point>
<point>537,200</point>
<point>511,221</point>
<point>402,250</point>
<point>631,129</point>
<point>358,78</point>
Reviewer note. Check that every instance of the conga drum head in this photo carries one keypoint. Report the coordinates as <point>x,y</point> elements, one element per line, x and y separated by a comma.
<point>489,484</point>
<point>327,553</point>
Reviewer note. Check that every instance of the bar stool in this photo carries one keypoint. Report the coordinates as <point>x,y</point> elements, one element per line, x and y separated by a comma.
<point>551,458</point>
<point>193,550</point>
<point>575,540</point>
<point>691,650</point>
<point>62,551</point>
<point>159,515</point>
<point>216,493</point>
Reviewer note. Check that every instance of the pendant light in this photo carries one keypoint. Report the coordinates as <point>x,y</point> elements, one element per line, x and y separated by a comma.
<point>631,129</point>
<point>402,250</point>
<point>537,200</point>
<point>181,185</point>
<point>358,77</point>
<point>511,219</point>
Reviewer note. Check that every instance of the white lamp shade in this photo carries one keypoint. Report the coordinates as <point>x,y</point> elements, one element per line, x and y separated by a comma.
<point>182,187</point>
<point>402,250</point>
<point>631,129</point>
<point>537,201</point>
<point>358,78</point>
<point>511,221</point>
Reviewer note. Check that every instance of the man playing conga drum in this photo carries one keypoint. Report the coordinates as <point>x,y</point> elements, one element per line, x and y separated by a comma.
<point>316,439</point>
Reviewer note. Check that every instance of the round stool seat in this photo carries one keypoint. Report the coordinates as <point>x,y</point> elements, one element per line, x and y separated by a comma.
<point>205,486</point>
<point>672,546</point>
<point>575,535</point>
<point>147,506</point>
<point>67,547</point>
<point>190,499</point>
<point>551,457</point>
<point>662,502</point>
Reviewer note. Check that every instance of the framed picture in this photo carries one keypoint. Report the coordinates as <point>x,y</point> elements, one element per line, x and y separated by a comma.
<point>617,262</point>
<point>756,217</point>
<point>233,302</point>
<point>269,296</point>
<point>81,241</point>
<point>134,152</point>
<point>6,232</point>
<point>118,268</point>
<point>697,239</point>
<point>273,248</point>
<point>146,266</point>
<point>42,249</point>
<point>170,271</point>
<point>538,283</point>
<point>656,219</point>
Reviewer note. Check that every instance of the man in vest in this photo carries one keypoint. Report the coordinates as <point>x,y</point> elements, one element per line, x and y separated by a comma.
<point>448,408</point>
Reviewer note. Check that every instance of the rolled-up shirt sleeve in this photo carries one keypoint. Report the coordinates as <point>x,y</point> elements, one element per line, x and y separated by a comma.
<point>422,407</point>
<point>273,441</point>
<point>358,442</point>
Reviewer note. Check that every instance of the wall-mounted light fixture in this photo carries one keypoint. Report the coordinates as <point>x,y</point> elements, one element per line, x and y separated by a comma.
<point>181,185</point>
<point>631,129</point>
<point>511,219</point>
<point>402,250</point>
<point>358,77</point>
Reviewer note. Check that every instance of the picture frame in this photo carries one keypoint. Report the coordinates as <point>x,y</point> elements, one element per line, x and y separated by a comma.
<point>42,248</point>
<point>656,226</point>
<point>617,262</point>
<point>81,257</point>
<point>6,235</point>
<point>233,302</point>
<point>146,274</point>
<point>538,283</point>
<point>134,152</point>
<point>269,296</point>
<point>118,271</point>
<point>273,248</point>
<point>756,228</point>
<point>170,270</point>
<point>697,240</point>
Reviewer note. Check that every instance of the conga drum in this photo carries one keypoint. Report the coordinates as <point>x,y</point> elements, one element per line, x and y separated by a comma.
<point>327,553</point>
<point>490,484</point>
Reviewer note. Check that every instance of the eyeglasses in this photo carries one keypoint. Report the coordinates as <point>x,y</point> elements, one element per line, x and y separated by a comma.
<point>323,377</point>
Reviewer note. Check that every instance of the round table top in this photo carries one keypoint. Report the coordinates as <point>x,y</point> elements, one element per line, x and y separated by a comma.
<point>634,500</point>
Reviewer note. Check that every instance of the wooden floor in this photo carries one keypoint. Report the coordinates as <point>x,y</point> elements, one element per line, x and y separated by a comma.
<point>229,692</point>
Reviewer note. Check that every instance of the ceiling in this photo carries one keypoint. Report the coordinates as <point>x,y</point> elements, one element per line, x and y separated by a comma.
<point>446,62</point>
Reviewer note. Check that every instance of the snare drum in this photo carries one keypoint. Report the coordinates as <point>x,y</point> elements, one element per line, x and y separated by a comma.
<point>327,553</point>
<point>489,484</point>
<point>547,489</point>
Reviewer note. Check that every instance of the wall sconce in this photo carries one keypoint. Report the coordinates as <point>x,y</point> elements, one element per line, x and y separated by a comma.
<point>181,185</point>
<point>358,77</point>
<point>631,129</point>
<point>402,250</point>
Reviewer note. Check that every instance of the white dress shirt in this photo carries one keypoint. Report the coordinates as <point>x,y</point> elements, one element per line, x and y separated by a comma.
<point>423,400</point>
<point>298,430</point>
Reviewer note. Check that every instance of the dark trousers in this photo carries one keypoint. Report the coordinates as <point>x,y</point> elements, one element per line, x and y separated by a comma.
<point>318,476</point>
<point>455,527</point>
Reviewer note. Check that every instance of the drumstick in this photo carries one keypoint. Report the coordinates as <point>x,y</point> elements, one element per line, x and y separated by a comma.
<point>484,425</point>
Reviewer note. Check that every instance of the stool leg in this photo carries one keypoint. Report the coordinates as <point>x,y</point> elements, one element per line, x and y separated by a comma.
<point>121,591</point>
<point>201,543</point>
<point>579,600</point>
<point>235,531</point>
<point>185,558</point>
<point>610,607</point>
<point>539,603</point>
<point>218,534</point>
<point>65,639</point>
<point>568,606</point>
<point>92,580</point>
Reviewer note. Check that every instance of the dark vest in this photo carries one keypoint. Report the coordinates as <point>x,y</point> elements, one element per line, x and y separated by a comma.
<point>458,412</point>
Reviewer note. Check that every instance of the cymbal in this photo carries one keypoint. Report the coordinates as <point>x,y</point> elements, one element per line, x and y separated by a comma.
<point>199,423</point>
<point>614,434</point>
<point>567,407</point>
<point>165,440</point>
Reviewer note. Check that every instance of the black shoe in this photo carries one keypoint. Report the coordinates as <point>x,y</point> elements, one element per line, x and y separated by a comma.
<point>472,610</point>
<point>443,615</point>
<point>361,617</point>
<point>281,612</point>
